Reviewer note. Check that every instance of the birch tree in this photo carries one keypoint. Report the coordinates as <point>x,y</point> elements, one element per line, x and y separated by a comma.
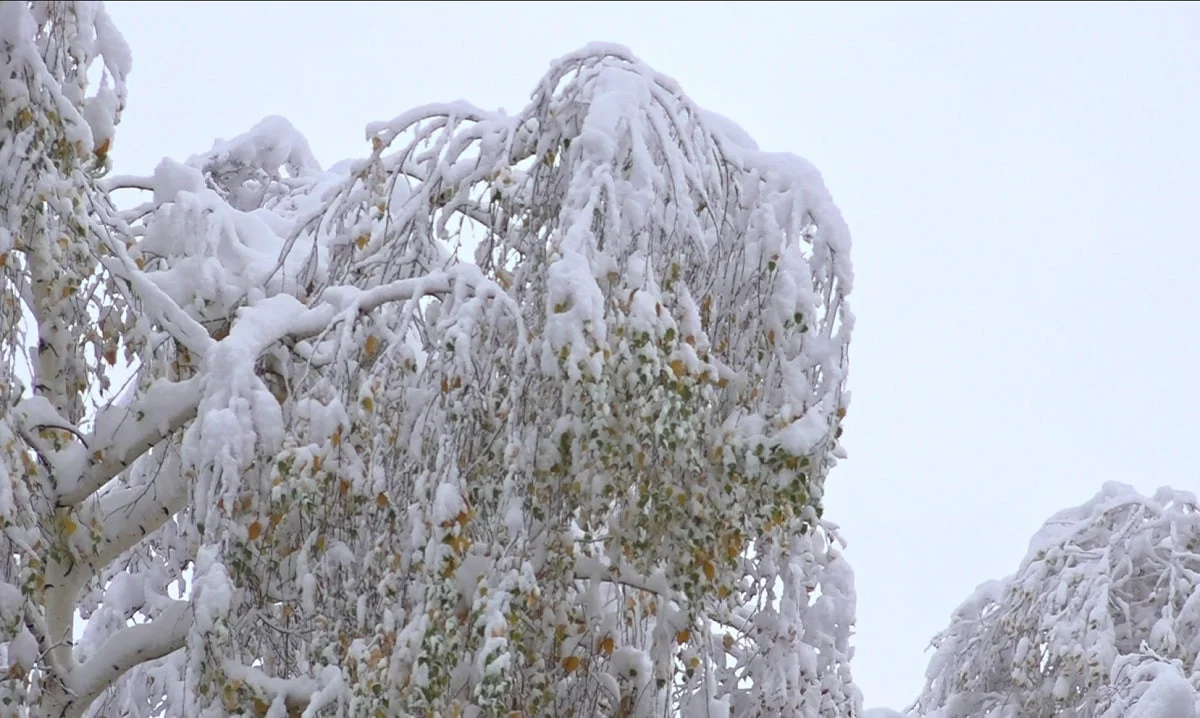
<point>1101,619</point>
<point>517,415</point>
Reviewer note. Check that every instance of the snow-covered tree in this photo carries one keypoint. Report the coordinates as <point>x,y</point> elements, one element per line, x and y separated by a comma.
<point>519,415</point>
<point>1101,620</point>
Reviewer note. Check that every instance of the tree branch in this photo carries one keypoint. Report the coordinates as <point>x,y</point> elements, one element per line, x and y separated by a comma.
<point>124,433</point>
<point>157,305</point>
<point>116,182</point>
<point>34,413</point>
<point>125,649</point>
<point>128,514</point>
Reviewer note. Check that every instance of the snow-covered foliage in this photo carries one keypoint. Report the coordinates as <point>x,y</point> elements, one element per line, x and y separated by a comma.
<point>1101,619</point>
<point>518,415</point>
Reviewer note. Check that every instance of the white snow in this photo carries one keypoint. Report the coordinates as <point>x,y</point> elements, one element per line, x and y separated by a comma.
<point>1169,695</point>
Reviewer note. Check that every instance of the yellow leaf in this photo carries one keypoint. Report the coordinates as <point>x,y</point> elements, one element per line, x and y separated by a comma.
<point>678,367</point>
<point>316,463</point>
<point>606,646</point>
<point>368,404</point>
<point>570,664</point>
<point>343,487</point>
<point>709,570</point>
<point>372,346</point>
<point>381,501</point>
<point>255,531</point>
<point>68,526</point>
<point>683,636</point>
<point>336,439</point>
<point>362,241</point>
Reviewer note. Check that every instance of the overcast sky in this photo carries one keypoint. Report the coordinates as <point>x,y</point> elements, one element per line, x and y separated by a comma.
<point>1021,182</point>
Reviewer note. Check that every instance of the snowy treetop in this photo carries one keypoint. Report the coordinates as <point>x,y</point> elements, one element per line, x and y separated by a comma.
<point>527,412</point>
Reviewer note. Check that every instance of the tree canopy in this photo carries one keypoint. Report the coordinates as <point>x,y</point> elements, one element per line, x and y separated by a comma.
<point>516,415</point>
<point>1101,619</point>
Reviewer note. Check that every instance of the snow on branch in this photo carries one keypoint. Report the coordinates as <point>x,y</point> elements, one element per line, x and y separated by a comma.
<point>125,649</point>
<point>122,434</point>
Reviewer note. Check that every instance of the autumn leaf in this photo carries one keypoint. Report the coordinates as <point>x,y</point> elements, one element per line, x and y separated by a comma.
<point>255,531</point>
<point>570,664</point>
<point>372,346</point>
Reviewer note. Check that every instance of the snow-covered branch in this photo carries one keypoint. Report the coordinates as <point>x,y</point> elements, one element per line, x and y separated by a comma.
<point>128,515</point>
<point>113,183</point>
<point>125,649</point>
<point>122,434</point>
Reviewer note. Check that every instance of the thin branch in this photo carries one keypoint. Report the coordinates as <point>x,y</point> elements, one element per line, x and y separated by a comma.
<point>118,182</point>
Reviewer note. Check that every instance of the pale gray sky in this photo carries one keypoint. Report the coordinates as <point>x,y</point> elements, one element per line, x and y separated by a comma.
<point>1020,181</point>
